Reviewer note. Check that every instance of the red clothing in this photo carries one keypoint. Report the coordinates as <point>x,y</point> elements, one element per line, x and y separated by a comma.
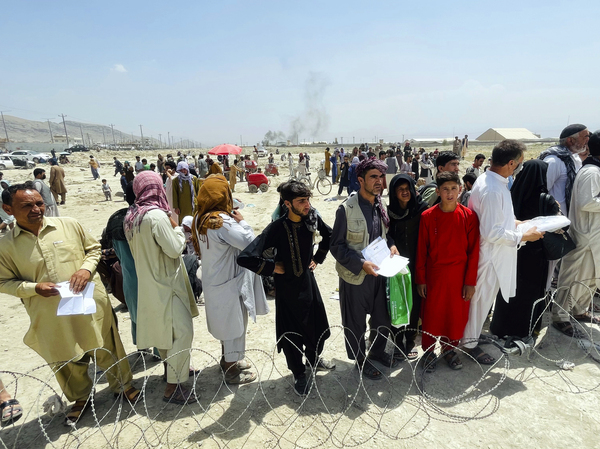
<point>447,258</point>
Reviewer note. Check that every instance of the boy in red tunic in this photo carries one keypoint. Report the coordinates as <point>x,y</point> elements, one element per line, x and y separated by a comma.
<point>446,270</point>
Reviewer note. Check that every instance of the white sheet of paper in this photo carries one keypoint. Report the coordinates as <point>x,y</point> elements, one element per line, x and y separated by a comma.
<point>545,224</point>
<point>379,253</point>
<point>391,266</point>
<point>80,304</point>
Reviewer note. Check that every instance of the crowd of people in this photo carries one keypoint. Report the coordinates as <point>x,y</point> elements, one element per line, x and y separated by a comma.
<point>467,256</point>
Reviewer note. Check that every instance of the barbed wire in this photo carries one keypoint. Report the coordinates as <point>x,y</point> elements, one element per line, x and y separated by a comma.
<point>342,409</point>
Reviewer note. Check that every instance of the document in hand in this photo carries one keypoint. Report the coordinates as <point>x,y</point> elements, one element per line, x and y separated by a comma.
<point>379,253</point>
<point>545,224</point>
<point>76,304</point>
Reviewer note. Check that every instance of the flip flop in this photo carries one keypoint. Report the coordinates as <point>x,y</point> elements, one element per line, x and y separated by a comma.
<point>181,396</point>
<point>15,411</point>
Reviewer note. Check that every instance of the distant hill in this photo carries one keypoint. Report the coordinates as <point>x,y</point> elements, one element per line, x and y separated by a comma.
<point>22,130</point>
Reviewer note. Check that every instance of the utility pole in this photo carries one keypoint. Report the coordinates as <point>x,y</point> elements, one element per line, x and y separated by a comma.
<point>168,139</point>
<point>50,129</point>
<point>4,123</point>
<point>65,125</point>
<point>112,127</point>
<point>103,137</point>
<point>82,139</point>
<point>160,139</point>
<point>142,134</point>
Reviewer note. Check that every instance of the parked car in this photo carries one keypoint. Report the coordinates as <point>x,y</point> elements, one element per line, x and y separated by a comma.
<point>8,162</point>
<point>28,155</point>
<point>262,152</point>
<point>78,148</point>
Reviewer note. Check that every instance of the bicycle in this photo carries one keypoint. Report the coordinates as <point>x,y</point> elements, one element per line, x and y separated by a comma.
<point>321,182</point>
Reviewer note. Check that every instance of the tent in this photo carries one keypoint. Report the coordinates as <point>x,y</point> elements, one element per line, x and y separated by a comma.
<point>497,134</point>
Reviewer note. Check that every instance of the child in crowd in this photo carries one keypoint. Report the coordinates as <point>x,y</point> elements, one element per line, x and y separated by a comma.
<point>106,189</point>
<point>446,271</point>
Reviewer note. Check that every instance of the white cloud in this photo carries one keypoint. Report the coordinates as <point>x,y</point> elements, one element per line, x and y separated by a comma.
<point>119,68</point>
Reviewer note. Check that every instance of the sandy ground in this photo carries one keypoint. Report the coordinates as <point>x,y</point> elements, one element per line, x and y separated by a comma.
<point>519,402</point>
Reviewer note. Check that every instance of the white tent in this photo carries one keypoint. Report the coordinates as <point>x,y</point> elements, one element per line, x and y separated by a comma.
<point>497,134</point>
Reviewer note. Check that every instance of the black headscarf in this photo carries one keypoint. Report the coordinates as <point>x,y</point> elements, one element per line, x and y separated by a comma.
<point>416,205</point>
<point>529,184</point>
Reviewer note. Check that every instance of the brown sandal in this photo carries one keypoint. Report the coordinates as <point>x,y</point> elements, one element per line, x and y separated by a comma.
<point>132,394</point>
<point>77,411</point>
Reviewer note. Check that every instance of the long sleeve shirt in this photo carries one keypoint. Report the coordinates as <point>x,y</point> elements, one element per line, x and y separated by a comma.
<point>491,200</point>
<point>61,248</point>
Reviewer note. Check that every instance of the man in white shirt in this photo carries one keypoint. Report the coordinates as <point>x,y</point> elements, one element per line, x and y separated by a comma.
<point>581,267</point>
<point>564,163</point>
<point>499,238</point>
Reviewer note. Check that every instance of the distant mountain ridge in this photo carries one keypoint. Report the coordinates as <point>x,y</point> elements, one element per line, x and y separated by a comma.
<point>23,130</point>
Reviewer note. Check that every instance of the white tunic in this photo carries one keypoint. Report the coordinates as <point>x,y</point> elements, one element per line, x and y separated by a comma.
<point>491,200</point>
<point>585,210</point>
<point>556,178</point>
<point>224,281</point>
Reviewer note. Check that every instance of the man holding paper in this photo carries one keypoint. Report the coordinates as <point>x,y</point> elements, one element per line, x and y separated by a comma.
<point>39,253</point>
<point>359,221</point>
<point>499,239</point>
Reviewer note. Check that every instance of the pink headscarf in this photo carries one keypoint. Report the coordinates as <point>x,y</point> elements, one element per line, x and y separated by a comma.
<point>149,195</point>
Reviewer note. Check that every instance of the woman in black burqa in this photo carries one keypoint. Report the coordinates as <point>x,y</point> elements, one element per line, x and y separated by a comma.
<point>405,209</point>
<point>520,317</point>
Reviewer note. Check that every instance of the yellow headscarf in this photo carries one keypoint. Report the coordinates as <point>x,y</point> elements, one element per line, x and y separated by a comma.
<point>213,199</point>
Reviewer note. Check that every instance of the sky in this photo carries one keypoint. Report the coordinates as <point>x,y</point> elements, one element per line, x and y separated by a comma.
<point>218,72</point>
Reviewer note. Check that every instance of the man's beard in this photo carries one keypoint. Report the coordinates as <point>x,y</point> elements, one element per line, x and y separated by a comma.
<point>299,213</point>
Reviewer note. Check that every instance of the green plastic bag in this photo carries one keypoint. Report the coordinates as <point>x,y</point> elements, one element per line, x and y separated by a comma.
<point>400,297</point>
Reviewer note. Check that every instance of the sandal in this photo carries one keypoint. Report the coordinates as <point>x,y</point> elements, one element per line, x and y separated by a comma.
<point>240,378</point>
<point>566,328</point>
<point>181,396</point>
<point>587,317</point>
<point>430,362</point>
<point>11,411</point>
<point>77,411</point>
<point>132,394</point>
<point>243,364</point>
<point>385,359</point>
<point>453,361</point>
<point>369,370</point>
<point>481,357</point>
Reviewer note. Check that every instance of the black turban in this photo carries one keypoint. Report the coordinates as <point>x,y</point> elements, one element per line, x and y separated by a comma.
<point>572,129</point>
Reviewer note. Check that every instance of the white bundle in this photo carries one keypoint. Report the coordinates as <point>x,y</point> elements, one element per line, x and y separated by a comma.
<point>545,224</point>
<point>54,405</point>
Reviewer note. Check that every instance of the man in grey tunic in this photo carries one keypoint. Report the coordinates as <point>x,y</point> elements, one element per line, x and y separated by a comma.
<point>361,219</point>
<point>51,208</point>
<point>202,166</point>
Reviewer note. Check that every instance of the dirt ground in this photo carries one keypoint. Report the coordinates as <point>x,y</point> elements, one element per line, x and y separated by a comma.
<point>521,401</point>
